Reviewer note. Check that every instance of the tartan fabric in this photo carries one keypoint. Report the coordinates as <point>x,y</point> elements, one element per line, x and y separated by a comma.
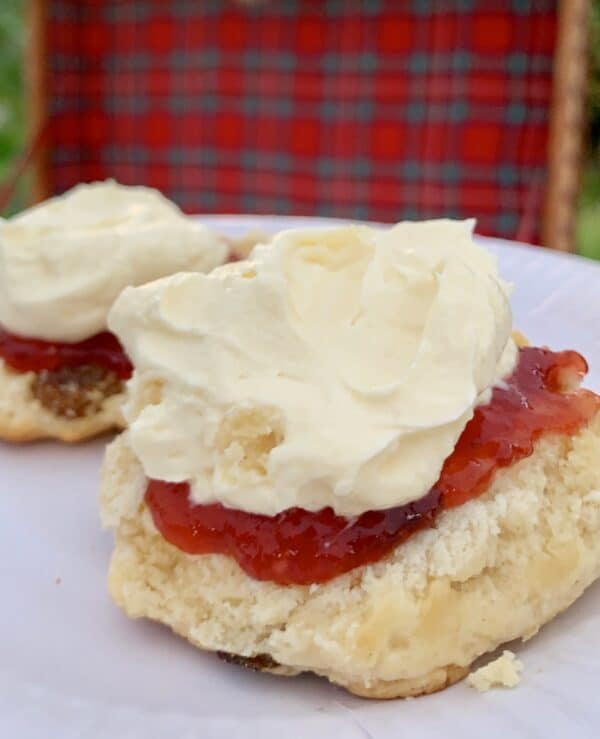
<point>368,109</point>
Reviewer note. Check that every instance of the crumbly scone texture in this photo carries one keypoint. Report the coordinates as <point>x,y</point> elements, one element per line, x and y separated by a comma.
<point>489,571</point>
<point>23,418</point>
<point>503,672</point>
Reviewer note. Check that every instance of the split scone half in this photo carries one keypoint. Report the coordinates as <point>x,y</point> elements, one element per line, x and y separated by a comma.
<point>297,494</point>
<point>62,264</point>
<point>71,405</point>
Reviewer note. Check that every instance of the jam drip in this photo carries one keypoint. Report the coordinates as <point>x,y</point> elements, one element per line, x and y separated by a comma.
<point>34,355</point>
<point>302,547</point>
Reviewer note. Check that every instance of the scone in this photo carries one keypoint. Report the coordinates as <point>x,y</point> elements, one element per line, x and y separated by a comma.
<point>338,460</point>
<point>62,264</point>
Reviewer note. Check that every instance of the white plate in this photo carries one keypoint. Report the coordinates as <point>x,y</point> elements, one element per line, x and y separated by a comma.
<point>72,665</point>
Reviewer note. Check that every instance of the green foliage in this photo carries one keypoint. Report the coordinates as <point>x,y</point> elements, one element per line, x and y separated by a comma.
<point>12,107</point>
<point>594,81</point>
<point>588,218</point>
<point>11,81</point>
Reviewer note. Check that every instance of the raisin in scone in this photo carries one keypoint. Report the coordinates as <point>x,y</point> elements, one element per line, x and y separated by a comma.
<point>62,264</point>
<point>348,466</point>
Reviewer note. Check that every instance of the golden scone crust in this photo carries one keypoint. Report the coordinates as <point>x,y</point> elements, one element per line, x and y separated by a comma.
<point>492,570</point>
<point>23,418</point>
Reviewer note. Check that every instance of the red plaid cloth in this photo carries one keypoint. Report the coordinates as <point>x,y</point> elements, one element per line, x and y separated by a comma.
<point>375,109</point>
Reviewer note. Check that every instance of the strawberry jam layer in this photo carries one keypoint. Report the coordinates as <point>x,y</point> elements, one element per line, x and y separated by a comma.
<point>302,547</point>
<point>34,355</point>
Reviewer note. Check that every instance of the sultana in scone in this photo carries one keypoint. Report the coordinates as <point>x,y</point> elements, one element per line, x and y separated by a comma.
<point>70,404</point>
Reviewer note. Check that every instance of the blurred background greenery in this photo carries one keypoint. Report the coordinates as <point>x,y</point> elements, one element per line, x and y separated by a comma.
<point>588,221</point>
<point>12,103</point>
<point>12,128</point>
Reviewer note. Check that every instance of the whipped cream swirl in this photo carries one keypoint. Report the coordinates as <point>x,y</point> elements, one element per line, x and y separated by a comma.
<point>333,368</point>
<point>63,262</point>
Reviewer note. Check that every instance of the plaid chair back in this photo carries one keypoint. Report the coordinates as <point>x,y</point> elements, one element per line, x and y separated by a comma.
<point>369,109</point>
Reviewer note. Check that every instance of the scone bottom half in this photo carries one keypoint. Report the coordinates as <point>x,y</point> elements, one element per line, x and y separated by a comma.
<point>56,390</point>
<point>488,564</point>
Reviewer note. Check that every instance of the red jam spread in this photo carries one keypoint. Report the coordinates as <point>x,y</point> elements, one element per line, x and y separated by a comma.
<point>301,547</point>
<point>34,355</point>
